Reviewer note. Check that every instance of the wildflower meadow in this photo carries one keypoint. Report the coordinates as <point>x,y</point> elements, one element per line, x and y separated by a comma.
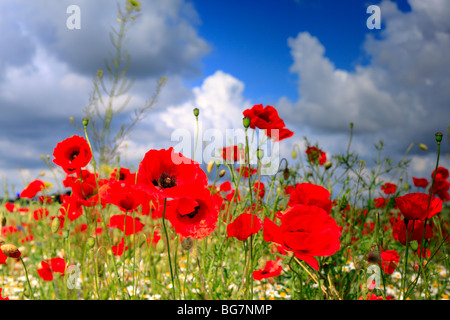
<point>244,225</point>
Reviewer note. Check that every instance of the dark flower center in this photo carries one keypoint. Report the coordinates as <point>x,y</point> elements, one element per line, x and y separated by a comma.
<point>74,154</point>
<point>193,213</point>
<point>166,180</point>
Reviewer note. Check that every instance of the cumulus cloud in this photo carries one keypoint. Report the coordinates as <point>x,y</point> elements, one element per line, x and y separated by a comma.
<point>401,96</point>
<point>46,70</point>
<point>163,40</point>
<point>220,101</point>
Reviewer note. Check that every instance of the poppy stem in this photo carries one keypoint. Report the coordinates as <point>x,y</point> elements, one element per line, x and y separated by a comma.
<point>168,247</point>
<point>406,258</point>
<point>28,280</point>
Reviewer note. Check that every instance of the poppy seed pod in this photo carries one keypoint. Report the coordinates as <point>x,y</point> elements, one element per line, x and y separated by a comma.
<point>55,225</point>
<point>414,245</point>
<point>260,154</point>
<point>10,250</point>
<point>438,136</point>
<point>85,122</point>
<point>187,243</point>
<point>90,242</point>
<point>196,112</point>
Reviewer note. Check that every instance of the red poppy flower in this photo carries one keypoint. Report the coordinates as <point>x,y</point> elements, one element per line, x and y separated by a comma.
<point>246,171</point>
<point>312,195</point>
<point>267,118</point>
<point>308,231</point>
<point>244,226</point>
<point>194,217</point>
<point>441,186</point>
<point>272,269</point>
<point>40,213</point>
<point>50,266</point>
<point>123,174</point>
<point>259,189</point>
<point>72,154</point>
<point>118,221</point>
<point>225,187</point>
<point>413,206</point>
<point>316,156</point>
<point>288,189</point>
<point>118,250</point>
<point>425,253</point>
<point>279,134</point>
<point>84,187</point>
<point>45,200</point>
<point>32,189</point>
<point>10,206</point>
<point>373,296</point>
<point>389,188</point>
<point>399,231</point>
<point>420,182</point>
<point>2,298</point>
<point>389,261</point>
<point>380,202</point>
<point>232,153</point>
<point>127,197</point>
<point>3,257</point>
<point>164,171</point>
<point>71,207</point>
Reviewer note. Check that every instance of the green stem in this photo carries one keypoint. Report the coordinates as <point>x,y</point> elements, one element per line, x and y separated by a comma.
<point>168,248</point>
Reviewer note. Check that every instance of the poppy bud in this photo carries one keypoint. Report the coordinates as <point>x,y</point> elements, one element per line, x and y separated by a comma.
<point>2,220</point>
<point>55,225</point>
<point>187,243</point>
<point>222,173</point>
<point>423,147</point>
<point>210,166</point>
<point>65,233</point>
<point>286,174</point>
<point>11,250</point>
<point>260,154</point>
<point>85,122</point>
<point>26,291</point>
<point>438,136</point>
<point>246,121</point>
<point>406,187</point>
<point>328,165</point>
<point>294,154</point>
<point>160,246</point>
<point>414,245</point>
<point>196,112</point>
<point>90,242</point>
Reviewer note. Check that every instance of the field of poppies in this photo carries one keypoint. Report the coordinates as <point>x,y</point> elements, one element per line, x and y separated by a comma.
<point>315,228</point>
<point>172,230</point>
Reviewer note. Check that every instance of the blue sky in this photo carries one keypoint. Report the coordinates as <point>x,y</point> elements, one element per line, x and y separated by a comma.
<point>315,61</point>
<point>250,41</point>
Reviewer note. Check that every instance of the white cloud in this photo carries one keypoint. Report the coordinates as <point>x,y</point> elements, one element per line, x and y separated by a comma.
<point>405,86</point>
